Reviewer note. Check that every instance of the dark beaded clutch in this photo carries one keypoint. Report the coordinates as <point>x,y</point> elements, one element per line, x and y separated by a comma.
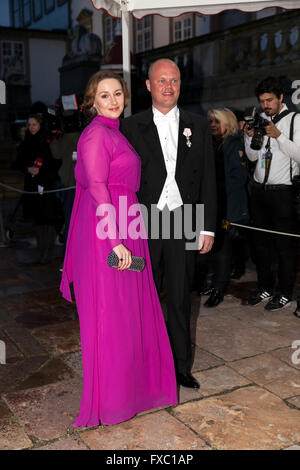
<point>138,263</point>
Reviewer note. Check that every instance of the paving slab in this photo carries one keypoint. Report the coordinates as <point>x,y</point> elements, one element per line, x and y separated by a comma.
<point>12,436</point>
<point>13,354</point>
<point>219,380</point>
<point>187,394</point>
<point>24,340</point>
<point>289,355</point>
<point>46,412</point>
<point>228,302</point>
<point>18,287</point>
<point>44,275</point>
<point>4,316</point>
<point>54,370</point>
<point>204,360</point>
<point>46,316</point>
<point>73,360</point>
<point>271,373</point>
<point>292,334</point>
<point>261,318</point>
<point>241,289</point>
<point>233,341</point>
<point>69,443</point>
<point>17,304</point>
<point>295,402</point>
<point>155,431</point>
<point>247,419</point>
<point>59,338</point>
<point>4,410</point>
<point>12,375</point>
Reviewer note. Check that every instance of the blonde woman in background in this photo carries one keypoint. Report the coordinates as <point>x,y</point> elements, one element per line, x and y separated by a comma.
<point>231,177</point>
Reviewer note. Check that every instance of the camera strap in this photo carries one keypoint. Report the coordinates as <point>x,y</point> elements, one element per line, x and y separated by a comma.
<point>291,138</point>
<point>268,157</point>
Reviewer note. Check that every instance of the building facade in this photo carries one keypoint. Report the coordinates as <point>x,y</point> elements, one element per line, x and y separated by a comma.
<point>38,37</point>
<point>40,14</point>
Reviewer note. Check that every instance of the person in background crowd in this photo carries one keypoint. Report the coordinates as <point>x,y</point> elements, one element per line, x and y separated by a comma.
<point>34,159</point>
<point>231,176</point>
<point>272,196</point>
<point>63,148</point>
<point>241,243</point>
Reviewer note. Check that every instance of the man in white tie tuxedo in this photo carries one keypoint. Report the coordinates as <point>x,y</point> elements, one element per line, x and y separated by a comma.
<point>177,170</point>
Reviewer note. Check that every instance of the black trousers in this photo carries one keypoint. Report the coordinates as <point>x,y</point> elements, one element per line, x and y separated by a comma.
<point>273,210</point>
<point>171,260</point>
<point>219,259</point>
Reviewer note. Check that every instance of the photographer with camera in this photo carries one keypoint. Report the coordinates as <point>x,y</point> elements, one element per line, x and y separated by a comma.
<point>272,139</point>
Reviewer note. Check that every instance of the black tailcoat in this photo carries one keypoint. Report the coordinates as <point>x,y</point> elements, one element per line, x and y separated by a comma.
<point>195,177</point>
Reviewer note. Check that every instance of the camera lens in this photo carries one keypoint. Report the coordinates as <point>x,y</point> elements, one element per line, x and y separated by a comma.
<point>257,139</point>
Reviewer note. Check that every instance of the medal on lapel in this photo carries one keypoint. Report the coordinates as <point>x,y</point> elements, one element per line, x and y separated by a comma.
<point>188,133</point>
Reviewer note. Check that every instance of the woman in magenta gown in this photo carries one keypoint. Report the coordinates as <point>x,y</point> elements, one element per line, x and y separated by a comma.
<point>127,360</point>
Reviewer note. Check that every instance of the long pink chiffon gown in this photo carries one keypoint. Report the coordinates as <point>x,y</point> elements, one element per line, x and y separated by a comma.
<point>127,360</point>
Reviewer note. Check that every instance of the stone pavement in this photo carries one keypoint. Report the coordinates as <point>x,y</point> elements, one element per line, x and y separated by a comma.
<point>250,386</point>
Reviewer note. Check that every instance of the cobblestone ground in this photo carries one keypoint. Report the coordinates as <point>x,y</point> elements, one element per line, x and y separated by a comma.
<point>243,358</point>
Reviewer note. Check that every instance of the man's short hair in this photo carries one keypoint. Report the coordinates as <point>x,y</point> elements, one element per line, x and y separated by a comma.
<point>270,85</point>
<point>164,59</point>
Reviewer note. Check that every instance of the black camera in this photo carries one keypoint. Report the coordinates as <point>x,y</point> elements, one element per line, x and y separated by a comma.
<point>65,116</point>
<point>256,122</point>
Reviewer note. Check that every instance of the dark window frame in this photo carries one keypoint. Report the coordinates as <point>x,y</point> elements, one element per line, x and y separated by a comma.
<point>12,13</point>
<point>47,8</point>
<point>37,17</point>
<point>29,21</point>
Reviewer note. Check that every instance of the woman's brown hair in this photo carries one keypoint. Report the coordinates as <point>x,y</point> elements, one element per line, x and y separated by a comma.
<point>37,117</point>
<point>91,90</point>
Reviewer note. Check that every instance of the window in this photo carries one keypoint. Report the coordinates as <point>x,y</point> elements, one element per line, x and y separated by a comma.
<point>16,13</point>
<point>27,12</point>
<point>144,34</point>
<point>109,29</point>
<point>12,59</point>
<point>37,9</point>
<point>183,28</point>
<point>49,5</point>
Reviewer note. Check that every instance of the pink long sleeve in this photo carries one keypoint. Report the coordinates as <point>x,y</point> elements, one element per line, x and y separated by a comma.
<point>95,153</point>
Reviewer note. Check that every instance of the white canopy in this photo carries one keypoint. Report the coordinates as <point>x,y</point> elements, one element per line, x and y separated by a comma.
<point>140,8</point>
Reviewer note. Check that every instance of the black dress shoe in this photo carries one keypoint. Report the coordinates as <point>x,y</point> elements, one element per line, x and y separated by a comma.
<point>205,291</point>
<point>187,380</point>
<point>215,298</point>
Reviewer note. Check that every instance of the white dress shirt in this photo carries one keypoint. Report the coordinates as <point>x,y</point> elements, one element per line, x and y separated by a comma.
<point>283,150</point>
<point>168,129</point>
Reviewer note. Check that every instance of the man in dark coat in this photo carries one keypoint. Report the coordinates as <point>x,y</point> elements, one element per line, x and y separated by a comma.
<point>177,170</point>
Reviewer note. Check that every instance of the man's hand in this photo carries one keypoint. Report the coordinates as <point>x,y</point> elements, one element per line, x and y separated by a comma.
<point>272,131</point>
<point>249,131</point>
<point>205,243</point>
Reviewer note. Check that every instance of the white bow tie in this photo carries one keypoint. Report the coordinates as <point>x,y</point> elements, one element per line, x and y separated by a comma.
<point>161,118</point>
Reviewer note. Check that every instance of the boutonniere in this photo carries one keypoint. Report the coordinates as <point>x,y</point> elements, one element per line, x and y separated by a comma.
<point>188,133</point>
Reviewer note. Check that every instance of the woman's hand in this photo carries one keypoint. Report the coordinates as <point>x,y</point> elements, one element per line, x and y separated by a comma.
<point>33,170</point>
<point>124,256</point>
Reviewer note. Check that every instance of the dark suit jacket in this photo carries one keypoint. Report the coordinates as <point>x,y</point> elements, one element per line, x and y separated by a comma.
<point>195,171</point>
